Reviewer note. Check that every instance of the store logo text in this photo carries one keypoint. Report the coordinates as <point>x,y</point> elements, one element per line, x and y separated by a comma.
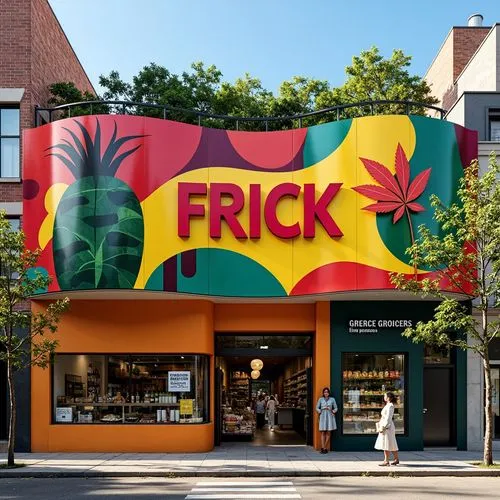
<point>235,200</point>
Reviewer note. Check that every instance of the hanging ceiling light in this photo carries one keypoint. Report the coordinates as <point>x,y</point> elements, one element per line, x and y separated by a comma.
<point>255,374</point>
<point>257,364</point>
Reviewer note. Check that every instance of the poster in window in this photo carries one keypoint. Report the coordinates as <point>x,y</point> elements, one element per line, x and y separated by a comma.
<point>179,381</point>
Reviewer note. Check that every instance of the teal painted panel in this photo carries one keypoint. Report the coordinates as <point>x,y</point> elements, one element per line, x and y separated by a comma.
<point>322,140</point>
<point>226,273</point>
<point>155,281</point>
<point>387,340</point>
<point>33,272</point>
<point>436,148</point>
<point>199,282</point>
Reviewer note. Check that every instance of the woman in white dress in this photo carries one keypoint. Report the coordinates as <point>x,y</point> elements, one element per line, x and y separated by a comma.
<point>386,439</point>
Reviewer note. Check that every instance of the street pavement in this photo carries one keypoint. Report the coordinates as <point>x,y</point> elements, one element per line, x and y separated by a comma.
<point>245,461</point>
<point>331,488</point>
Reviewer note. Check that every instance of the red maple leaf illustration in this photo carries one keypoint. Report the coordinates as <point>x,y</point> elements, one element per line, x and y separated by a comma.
<point>396,193</point>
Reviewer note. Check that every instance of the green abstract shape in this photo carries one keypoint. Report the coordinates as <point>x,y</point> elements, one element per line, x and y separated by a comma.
<point>155,281</point>
<point>228,274</point>
<point>32,274</point>
<point>437,148</point>
<point>98,235</point>
<point>322,140</point>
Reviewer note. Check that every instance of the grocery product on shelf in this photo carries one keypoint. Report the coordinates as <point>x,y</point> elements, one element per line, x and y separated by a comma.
<point>363,392</point>
<point>295,390</point>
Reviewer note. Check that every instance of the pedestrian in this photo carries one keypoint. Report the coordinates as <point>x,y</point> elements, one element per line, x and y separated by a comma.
<point>271,412</point>
<point>260,411</point>
<point>326,408</point>
<point>386,439</point>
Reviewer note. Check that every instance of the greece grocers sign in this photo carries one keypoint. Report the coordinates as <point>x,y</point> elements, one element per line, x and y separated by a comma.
<point>373,325</point>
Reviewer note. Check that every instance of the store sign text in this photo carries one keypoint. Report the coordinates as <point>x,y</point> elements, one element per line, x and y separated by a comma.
<point>314,209</point>
<point>179,381</point>
<point>372,325</point>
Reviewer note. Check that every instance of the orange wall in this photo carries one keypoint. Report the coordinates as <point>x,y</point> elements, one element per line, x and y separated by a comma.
<point>264,317</point>
<point>122,327</point>
<point>163,327</point>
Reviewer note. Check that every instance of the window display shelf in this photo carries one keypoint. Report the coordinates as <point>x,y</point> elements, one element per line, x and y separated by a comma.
<point>138,405</point>
<point>368,394</point>
<point>366,378</point>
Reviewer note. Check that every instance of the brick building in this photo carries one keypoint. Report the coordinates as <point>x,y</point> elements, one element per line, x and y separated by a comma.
<point>465,77</point>
<point>34,53</point>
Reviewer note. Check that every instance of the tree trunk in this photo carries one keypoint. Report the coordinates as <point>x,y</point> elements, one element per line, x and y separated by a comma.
<point>12,415</point>
<point>488,409</point>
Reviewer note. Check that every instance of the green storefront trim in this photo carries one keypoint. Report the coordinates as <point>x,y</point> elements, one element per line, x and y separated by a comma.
<point>390,340</point>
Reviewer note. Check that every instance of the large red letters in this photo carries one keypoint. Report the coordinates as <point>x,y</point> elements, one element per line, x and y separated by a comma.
<point>226,201</point>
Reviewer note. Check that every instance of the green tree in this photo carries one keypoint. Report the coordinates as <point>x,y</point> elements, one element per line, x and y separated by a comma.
<point>67,93</point>
<point>245,98</point>
<point>471,223</point>
<point>372,77</point>
<point>155,84</point>
<point>299,95</point>
<point>202,88</point>
<point>25,339</point>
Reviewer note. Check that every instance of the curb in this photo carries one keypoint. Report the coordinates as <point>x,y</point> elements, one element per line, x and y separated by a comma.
<point>18,474</point>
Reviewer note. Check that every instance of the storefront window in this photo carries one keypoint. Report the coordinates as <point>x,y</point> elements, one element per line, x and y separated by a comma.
<point>130,389</point>
<point>437,355</point>
<point>366,378</point>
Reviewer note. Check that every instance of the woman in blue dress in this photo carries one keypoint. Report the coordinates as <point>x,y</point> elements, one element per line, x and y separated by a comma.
<point>326,408</point>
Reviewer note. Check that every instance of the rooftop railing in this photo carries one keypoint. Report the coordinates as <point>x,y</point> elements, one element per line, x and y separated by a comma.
<point>364,108</point>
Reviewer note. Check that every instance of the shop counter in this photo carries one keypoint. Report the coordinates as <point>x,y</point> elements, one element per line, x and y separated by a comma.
<point>293,418</point>
<point>285,416</point>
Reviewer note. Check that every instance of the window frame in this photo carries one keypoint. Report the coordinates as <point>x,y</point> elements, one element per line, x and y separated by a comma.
<point>130,356</point>
<point>11,136</point>
<point>406,357</point>
<point>493,115</point>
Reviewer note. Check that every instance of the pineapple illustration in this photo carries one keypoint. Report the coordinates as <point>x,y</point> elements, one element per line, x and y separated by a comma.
<point>99,228</point>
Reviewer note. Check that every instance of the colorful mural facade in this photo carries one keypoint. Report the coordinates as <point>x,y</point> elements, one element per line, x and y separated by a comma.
<point>125,202</point>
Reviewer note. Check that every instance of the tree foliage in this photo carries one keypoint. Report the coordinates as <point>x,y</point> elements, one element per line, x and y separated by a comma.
<point>203,89</point>
<point>26,339</point>
<point>67,93</point>
<point>466,255</point>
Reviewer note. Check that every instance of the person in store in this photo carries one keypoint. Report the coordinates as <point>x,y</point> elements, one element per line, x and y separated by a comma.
<point>271,412</point>
<point>260,411</point>
<point>386,439</point>
<point>326,408</point>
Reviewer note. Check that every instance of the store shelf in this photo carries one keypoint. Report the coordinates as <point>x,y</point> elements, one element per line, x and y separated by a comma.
<point>363,390</point>
<point>135,405</point>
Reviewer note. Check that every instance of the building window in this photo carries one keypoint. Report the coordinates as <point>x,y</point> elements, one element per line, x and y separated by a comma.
<point>130,389</point>
<point>15,223</point>
<point>366,378</point>
<point>9,142</point>
<point>494,124</point>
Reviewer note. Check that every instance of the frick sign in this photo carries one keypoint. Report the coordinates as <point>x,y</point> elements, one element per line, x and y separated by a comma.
<point>313,209</point>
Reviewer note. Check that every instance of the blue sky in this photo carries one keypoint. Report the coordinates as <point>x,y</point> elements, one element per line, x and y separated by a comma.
<point>271,39</point>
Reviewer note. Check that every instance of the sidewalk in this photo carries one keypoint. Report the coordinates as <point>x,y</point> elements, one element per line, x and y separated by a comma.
<point>240,460</point>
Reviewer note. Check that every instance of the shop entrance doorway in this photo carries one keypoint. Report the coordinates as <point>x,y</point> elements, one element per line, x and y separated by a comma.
<point>264,389</point>
<point>438,406</point>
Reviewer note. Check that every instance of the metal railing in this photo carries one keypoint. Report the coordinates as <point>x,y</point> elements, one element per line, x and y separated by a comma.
<point>48,115</point>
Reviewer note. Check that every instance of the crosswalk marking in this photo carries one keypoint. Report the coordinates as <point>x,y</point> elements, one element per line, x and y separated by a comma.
<point>221,490</point>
